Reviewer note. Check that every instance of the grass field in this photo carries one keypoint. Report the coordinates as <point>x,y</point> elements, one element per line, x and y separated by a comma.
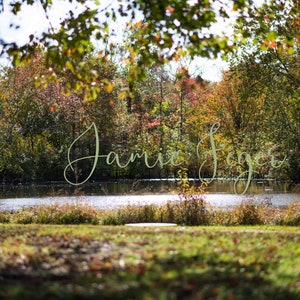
<point>120,262</point>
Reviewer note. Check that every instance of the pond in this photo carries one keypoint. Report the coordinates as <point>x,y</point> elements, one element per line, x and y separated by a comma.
<point>112,195</point>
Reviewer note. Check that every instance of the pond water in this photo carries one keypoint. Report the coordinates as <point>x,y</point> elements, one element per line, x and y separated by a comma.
<point>112,195</point>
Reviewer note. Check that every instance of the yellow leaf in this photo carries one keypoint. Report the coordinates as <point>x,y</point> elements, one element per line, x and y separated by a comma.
<point>122,95</point>
<point>109,87</point>
<point>108,265</point>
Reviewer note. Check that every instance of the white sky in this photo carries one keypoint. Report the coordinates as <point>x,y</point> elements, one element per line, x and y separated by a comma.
<point>32,20</point>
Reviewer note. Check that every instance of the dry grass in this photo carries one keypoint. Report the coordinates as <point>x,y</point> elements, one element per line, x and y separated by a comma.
<point>191,212</point>
<point>57,214</point>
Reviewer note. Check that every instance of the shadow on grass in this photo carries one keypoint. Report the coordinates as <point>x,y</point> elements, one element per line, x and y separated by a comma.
<point>178,277</point>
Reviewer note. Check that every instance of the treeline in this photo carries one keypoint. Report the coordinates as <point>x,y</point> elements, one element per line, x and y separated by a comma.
<point>245,125</point>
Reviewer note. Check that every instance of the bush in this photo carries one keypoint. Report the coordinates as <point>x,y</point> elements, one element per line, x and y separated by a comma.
<point>57,214</point>
<point>4,217</point>
<point>192,212</point>
<point>247,213</point>
<point>290,216</point>
<point>131,214</point>
<point>183,212</point>
<point>222,217</point>
<point>192,208</point>
<point>23,216</point>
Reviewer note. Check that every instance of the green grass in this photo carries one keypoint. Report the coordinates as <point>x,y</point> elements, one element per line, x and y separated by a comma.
<point>119,262</point>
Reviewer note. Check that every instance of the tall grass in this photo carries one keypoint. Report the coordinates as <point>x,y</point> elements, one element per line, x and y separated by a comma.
<point>290,216</point>
<point>186,212</point>
<point>192,212</point>
<point>248,213</point>
<point>57,214</point>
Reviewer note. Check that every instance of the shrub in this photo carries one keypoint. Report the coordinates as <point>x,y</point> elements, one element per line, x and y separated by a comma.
<point>183,212</point>
<point>4,217</point>
<point>188,191</point>
<point>189,212</point>
<point>167,213</point>
<point>290,216</point>
<point>131,214</point>
<point>23,216</point>
<point>192,208</point>
<point>247,213</point>
<point>57,214</point>
<point>111,218</point>
<point>222,217</point>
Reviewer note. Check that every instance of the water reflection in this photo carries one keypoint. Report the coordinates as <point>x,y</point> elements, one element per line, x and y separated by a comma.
<point>158,186</point>
<point>117,201</point>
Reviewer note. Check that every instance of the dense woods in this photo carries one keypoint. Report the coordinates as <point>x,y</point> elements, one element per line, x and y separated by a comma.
<point>249,116</point>
<point>59,109</point>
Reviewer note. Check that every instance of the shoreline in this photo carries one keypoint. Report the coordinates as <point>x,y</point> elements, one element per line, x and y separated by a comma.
<point>108,202</point>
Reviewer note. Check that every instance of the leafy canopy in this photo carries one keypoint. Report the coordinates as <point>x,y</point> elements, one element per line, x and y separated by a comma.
<point>167,30</point>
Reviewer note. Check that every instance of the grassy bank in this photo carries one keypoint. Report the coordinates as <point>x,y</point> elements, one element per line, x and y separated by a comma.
<point>193,212</point>
<point>119,262</point>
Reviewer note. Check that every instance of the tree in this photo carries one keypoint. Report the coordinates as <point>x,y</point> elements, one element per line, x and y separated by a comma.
<point>275,24</point>
<point>167,30</point>
<point>38,123</point>
<point>272,77</point>
<point>33,124</point>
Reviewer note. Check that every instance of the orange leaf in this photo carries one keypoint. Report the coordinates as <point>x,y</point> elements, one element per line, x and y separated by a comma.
<point>170,9</point>
<point>52,109</point>
<point>139,24</point>
<point>95,265</point>
<point>273,44</point>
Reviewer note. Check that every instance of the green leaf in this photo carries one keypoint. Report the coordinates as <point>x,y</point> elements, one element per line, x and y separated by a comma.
<point>70,66</point>
<point>290,50</point>
<point>272,36</point>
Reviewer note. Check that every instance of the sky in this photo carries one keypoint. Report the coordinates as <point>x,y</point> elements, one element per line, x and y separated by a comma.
<point>32,19</point>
